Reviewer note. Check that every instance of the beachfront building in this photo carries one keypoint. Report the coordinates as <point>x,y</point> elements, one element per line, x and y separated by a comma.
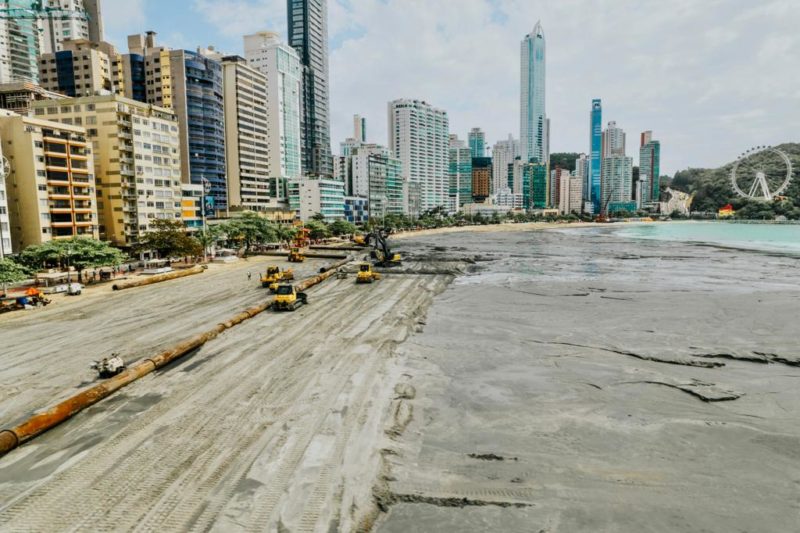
<point>419,136</point>
<point>281,67</point>
<point>531,181</point>
<point>356,209</point>
<point>137,161</point>
<point>246,141</point>
<point>79,68</point>
<point>308,35</point>
<point>192,207</point>
<point>533,122</point>
<point>50,189</point>
<point>570,194</point>
<point>311,195</point>
<point>477,142</point>
<point>503,154</point>
<point>460,173</point>
<point>613,140</point>
<point>372,172</point>
<point>649,192</point>
<point>593,177</point>
<point>507,199</point>
<point>617,184</point>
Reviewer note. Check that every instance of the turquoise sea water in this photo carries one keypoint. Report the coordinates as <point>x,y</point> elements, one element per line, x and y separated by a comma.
<point>769,237</point>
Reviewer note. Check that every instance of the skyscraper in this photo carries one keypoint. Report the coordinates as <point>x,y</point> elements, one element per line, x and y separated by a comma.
<point>649,169</point>
<point>593,184</point>
<point>281,66</point>
<point>359,128</point>
<point>460,171</point>
<point>419,136</point>
<point>477,142</point>
<point>613,140</point>
<point>308,35</point>
<point>533,122</point>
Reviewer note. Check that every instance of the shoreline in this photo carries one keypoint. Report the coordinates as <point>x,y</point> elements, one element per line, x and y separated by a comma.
<point>496,228</point>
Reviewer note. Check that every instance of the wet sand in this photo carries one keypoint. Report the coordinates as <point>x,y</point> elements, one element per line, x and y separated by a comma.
<point>578,381</point>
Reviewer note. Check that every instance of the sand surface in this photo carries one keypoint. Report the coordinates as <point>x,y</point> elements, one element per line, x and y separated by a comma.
<point>569,380</point>
<point>577,381</point>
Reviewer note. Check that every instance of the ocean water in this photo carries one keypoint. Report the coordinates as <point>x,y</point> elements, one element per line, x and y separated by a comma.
<point>768,237</point>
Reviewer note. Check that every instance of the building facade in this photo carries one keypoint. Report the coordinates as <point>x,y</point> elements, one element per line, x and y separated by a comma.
<point>197,100</point>
<point>533,122</point>
<point>246,136</point>
<point>356,209</point>
<point>280,65</point>
<point>308,35</point>
<point>460,173</point>
<point>77,19</point>
<point>649,170</point>
<point>19,96</point>
<point>571,194</point>
<point>137,161</point>
<point>20,42</point>
<point>503,155</point>
<point>613,140</point>
<point>50,187</point>
<point>477,142</point>
<point>617,184</point>
<point>593,183</point>
<point>311,195</point>
<point>481,178</point>
<point>419,137</point>
<point>80,68</point>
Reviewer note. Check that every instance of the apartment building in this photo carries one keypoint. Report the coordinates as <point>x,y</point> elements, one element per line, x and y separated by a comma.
<point>136,158</point>
<point>80,68</point>
<point>50,187</point>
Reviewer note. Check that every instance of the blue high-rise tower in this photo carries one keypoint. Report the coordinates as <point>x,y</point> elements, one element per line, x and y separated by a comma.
<point>595,156</point>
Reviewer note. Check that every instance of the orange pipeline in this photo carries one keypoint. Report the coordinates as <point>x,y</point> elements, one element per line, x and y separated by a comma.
<point>45,420</point>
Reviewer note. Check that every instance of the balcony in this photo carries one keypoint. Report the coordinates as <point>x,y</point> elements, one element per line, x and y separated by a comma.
<point>125,135</point>
<point>51,138</point>
<point>61,224</point>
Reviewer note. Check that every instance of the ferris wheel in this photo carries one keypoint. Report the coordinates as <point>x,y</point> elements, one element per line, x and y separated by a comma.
<point>761,173</point>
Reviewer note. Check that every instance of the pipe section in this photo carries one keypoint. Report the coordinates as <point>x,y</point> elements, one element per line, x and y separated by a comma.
<point>140,282</point>
<point>45,420</point>
<point>310,255</point>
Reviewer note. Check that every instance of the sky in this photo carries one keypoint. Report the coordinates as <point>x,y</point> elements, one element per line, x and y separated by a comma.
<point>710,78</point>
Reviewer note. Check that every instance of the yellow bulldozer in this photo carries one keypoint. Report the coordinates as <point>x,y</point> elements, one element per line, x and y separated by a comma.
<point>274,276</point>
<point>287,298</point>
<point>366,274</point>
<point>296,256</point>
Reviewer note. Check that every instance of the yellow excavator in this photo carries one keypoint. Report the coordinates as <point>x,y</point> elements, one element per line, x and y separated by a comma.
<point>366,274</point>
<point>287,298</point>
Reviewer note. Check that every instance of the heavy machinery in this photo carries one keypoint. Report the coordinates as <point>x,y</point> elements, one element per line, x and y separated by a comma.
<point>295,255</point>
<point>366,274</point>
<point>274,276</point>
<point>109,366</point>
<point>287,298</point>
<point>359,240</point>
<point>379,240</point>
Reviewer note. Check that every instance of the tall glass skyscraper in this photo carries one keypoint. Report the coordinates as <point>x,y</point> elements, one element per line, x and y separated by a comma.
<point>595,155</point>
<point>308,35</point>
<point>20,43</point>
<point>533,123</point>
<point>477,142</point>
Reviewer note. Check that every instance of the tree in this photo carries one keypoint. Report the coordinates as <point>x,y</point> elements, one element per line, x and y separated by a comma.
<point>11,272</point>
<point>285,233</point>
<point>209,237</point>
<point>319,217</point>
<point>317,229</point>
<point>342,227</point>
<point>78,252</point>
<point>250,229</point>
<point>169,239</point>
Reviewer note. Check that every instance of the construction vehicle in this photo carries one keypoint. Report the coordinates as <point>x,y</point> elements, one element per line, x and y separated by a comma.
<point>109,366</point>
<point>359,240</point>
<point>366,274</point>
<point>379,240</point>
<point>275,275</point>
<point>295,255</point>
<point>287,298</point>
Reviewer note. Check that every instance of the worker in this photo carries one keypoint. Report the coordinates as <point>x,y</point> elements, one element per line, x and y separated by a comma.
<point>249,275</point>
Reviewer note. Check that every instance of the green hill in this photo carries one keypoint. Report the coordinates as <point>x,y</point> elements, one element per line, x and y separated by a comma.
<point>712,188</point>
